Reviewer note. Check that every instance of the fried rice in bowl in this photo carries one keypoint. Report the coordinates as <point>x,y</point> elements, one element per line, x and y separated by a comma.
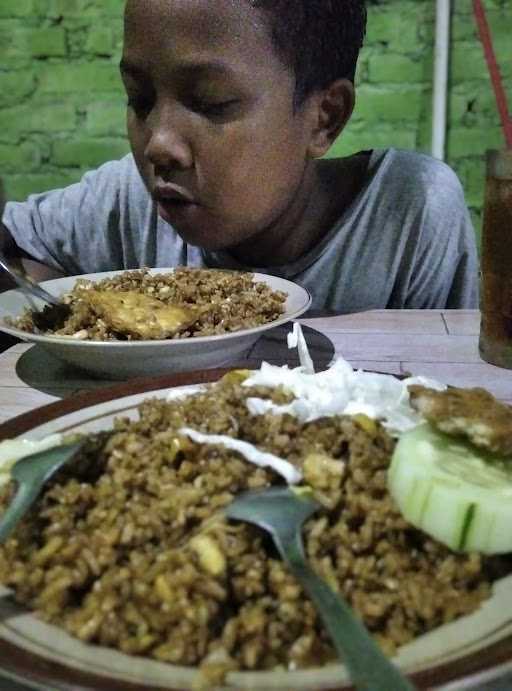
<point>125,324</point>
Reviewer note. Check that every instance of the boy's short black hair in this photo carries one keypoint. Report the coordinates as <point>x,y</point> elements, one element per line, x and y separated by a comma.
<point>319,39</point>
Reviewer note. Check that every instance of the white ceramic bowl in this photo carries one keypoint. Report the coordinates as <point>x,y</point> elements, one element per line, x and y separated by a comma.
<point>126,359</point>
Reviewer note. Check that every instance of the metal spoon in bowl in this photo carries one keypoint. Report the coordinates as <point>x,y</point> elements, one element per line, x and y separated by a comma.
<point>281,512</point>
<point>31,472</point>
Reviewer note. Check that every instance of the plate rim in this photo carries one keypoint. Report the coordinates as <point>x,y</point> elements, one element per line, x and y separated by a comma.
<point>480,666</point>
<point>138,385</point>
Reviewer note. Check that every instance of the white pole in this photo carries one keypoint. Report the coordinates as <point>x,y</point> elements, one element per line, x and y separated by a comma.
<point>440,86</point>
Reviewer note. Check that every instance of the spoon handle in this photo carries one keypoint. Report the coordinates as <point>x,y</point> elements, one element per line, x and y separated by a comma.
<point>30,474</point>
<point>25,495</point>
<point>369,668</point>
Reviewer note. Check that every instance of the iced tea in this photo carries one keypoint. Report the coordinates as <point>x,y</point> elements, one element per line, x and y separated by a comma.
<point>496,294</point>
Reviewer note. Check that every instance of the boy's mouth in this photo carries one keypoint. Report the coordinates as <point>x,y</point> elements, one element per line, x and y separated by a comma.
<point>172,194</point>
<point>172,201</point>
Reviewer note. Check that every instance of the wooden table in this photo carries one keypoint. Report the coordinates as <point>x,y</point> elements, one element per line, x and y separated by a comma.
<point>439,344</point>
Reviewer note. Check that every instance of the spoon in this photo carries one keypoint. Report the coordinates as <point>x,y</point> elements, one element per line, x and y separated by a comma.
<point>31,472</point>
<point>281,512</point>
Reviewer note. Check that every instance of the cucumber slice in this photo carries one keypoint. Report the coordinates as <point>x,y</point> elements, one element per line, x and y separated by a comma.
<point>458,494</point>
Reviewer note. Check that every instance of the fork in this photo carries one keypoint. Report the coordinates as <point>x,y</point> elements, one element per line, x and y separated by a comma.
<point>281,512</point>
<point>55,311</point>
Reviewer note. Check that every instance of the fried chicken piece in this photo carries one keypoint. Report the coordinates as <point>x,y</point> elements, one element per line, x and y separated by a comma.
<point>473,413</point>
<point>142,316</point>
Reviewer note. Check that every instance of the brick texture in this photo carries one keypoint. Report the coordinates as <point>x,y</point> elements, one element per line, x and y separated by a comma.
<point>62,104</point>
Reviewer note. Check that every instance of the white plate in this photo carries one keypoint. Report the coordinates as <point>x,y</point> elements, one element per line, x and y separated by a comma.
<point>460,655</point>
<point>126,359</point>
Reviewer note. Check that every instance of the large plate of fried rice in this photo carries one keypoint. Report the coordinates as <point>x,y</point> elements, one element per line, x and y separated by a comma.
<point>234,309</point>
<point>125,575</point>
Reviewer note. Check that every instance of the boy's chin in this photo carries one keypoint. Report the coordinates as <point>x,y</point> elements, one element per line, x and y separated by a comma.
<point>209,240</point>
<point>199,228</point>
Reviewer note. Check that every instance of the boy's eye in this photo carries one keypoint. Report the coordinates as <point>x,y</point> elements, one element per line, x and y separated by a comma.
<point>213,109</point>
<point>141,105</point>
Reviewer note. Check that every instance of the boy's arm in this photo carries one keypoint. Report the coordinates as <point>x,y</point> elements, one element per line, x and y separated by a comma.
<point>104,221</point>
<point>15,256</point>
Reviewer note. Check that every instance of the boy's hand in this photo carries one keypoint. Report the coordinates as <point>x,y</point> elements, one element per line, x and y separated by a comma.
<point>5,241</point>
<point>6,341</point>
<point>6,244</point>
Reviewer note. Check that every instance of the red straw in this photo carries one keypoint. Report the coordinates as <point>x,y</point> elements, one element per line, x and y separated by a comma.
<point>494,71</point>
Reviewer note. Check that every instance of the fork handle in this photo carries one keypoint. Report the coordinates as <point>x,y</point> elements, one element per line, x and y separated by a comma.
<point>26,283</point>
<point>369,668</point>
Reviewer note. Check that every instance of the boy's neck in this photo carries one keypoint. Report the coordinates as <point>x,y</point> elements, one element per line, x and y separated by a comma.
<point>328,188</point>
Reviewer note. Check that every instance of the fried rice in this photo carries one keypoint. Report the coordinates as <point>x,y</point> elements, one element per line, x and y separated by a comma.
<point>128,546</point>
<point>228,301</point>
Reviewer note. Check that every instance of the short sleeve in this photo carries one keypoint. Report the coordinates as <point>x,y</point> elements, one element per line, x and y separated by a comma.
<point>84,227</point>
<point>440,264</point>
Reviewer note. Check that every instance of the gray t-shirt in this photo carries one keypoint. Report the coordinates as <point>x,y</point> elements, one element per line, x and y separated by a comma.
<point>406,241</point>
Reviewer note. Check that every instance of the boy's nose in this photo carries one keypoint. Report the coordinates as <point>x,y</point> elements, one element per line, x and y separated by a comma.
<point>166,147</point>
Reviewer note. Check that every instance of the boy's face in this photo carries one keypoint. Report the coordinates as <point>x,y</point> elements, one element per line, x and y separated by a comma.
<point>211,120</point>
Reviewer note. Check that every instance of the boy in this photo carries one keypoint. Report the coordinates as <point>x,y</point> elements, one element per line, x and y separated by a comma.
<point>231,106</point>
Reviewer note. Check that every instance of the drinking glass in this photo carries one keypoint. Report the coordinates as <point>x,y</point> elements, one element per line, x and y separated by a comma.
<point>496,261</point>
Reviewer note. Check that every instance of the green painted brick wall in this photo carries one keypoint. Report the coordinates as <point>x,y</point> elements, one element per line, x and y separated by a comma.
<point>62,103</point>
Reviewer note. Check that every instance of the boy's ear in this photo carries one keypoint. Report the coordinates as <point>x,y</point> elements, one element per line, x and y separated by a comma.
<point>331,110</point>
